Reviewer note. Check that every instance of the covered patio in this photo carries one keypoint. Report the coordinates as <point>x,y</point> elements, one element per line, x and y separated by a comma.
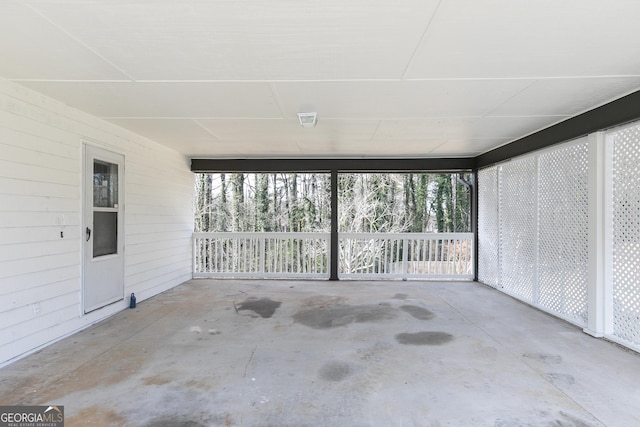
<point>287,353</point>
<point>108,109</point>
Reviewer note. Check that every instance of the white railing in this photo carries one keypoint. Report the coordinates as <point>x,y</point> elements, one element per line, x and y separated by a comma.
<point>261,255</point>
<point>406,255</point>
<point>361,255</point>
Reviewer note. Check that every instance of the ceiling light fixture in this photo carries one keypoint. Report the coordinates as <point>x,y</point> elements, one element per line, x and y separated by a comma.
<point>308,120</point>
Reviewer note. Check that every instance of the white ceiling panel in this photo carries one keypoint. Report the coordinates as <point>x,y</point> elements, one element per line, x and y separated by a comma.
<point>170,132</point>
<point>290,129</point>
<point>400,79</point>
<point>238,40</point>
<point>33,48</point>
<point>364,148</point>
<point>547,38</point>
<point>186,100</point>
<point>403,99</point>
<point>566,96</point>
<point>160,39</point>
<point>336,39</point>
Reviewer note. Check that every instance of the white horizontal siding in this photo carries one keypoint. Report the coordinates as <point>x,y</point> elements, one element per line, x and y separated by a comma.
<point>41,195</point>
<point>148,257</point>
<point>35,143</point>
<point>142,238</point>
<point>154,263</point>
<point>23,155</point>
<point>35,188</point>
<point>34,288</point>
<point>30,317</point>
<point>39,173</point>
<point>29,234</point>
<point>158,200</point>
<point>160,283</point>
<point>36,250</point>
<point>14,122</point>
<point>31,203</point>
<point>16,268</point>
<point>149,228</point>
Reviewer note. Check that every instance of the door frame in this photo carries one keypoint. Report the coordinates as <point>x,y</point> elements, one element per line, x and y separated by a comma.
<point>90,152</point>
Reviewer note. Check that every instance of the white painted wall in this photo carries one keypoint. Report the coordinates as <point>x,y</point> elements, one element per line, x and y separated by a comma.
<point>40,196</point>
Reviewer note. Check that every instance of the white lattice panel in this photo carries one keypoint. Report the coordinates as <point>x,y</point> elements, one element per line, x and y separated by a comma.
<point>517,186</point>
<point>488,227</point>
<point>563,231</point>
<point>626,234</point>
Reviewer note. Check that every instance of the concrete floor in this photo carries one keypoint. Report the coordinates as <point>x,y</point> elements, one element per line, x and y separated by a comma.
<point>275,353</point>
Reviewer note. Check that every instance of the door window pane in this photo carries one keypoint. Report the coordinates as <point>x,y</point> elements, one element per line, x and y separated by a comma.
<point>105,184</point>
<point>105,237</point>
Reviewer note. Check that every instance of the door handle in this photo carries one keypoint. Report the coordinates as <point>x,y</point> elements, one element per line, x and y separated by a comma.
<point>88,232</point>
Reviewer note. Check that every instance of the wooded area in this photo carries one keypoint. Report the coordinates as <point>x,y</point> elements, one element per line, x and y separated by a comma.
<point>367,202</point>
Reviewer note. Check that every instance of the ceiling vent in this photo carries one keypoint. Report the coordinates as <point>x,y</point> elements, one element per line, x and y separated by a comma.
<point>308,120</point>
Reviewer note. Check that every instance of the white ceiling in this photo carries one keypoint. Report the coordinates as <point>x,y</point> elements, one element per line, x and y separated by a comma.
<point>405,78</point>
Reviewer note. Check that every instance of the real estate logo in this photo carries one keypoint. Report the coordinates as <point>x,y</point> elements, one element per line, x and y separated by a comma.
<point>31,416</point>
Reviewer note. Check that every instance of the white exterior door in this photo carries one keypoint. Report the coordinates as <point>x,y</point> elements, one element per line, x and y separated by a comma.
<point>103,273</point>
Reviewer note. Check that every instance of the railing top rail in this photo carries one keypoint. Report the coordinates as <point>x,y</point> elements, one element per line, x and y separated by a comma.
<point>238,234</point>
<point>431,236</point>
<point>261,234</point>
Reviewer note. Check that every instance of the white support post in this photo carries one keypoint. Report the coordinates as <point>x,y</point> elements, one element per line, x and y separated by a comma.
<point>328,249</point>
<point>194,267</point>
<point>405,257</point>
<point>599,322</point>
<point>262,254</point>
<point>607,227</point>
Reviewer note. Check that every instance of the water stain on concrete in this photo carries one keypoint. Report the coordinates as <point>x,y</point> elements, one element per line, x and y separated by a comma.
<point>561,419</point>
<point>400,296</point>
<point>102,371</point>
<point>264,307</point>
<point>155,380</point>
<point>335,371</point>
<point>418,312</point>
<point>544,357</point>
<point>513,422</point>
<point>322,301</point>
<point>570,420</point>
<point>424,338</point>
<point>173,422</point>
<point>98,416</point>
<point>559,379</point>
<point>343,315</point>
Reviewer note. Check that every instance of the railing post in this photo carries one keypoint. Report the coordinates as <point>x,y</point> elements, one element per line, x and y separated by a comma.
<point>405,257</point>
<point>263,255</point>
<point>194,262</point>
<point>328,248</point>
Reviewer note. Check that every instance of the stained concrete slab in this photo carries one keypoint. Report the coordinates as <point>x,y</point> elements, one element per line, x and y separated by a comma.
<point>273,353</point>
